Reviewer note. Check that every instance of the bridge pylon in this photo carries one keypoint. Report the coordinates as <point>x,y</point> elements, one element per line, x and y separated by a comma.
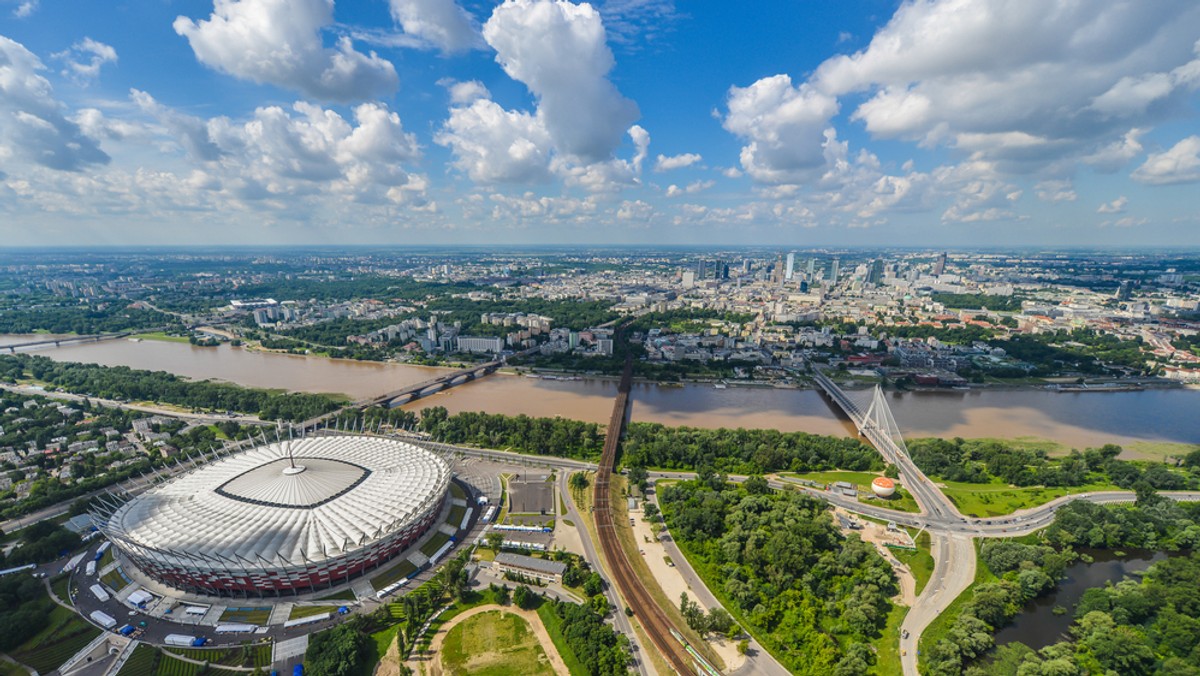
<point>879,416</point>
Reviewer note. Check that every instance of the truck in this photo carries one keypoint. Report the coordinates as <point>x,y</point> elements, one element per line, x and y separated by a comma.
<point>100,593</point>
<point>126,630</point>
<point>185,640</point>
<point>90,569</point>
<point>103,619</point>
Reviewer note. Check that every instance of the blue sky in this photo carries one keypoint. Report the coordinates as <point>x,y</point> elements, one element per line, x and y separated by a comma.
<point>858,122</point>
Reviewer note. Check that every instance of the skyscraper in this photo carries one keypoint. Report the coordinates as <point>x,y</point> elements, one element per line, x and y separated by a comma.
<point>875,273</point>
<point>812,266</point>
<point>940,266</point>
<point>833,270</point>
<point>791,266</point>
<point>1125,291</point>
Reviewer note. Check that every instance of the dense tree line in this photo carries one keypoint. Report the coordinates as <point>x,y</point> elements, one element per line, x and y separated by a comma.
<point>812,596</point>
<point>982,461</point>
<point>24,609</point>
<point>40,542</point>
<point>365,286</point>
<point>975,301</point>
<point>1080,350</point>
<point>124,383</point>
<point>684,319</point>
<point>1154,523</point>
<point>743,451</point>
<point>601,650</point>
<point>559,437</point>
<point>951,335</point>
<point>81,319</point>
<point>575,314</point>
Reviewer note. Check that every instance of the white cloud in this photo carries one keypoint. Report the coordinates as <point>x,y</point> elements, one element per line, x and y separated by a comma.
<point>279,42</point>
<point>33,123</point>
<point>1117,154</point>
<point>441,23</point>
<point>558,50</point>
<point>634,23</point>
<point>1180,164</point>
<point>466,93</point>
<point>975,75</point>
<point>665,163</point>
<point>1116,206</point>
<point>494,145</point>
<point>1055,190</point>
<point>691,188</point>
<point>25,9</point>
<point>784,126</point>
<point>84,59</point>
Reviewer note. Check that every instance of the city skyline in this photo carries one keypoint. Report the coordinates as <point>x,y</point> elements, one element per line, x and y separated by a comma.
<point>942,124</point>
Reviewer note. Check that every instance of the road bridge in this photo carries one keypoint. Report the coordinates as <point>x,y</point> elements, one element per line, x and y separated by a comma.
<point>57,342</point>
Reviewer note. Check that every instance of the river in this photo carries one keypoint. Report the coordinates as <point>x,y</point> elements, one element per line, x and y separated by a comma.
<point>1037,626</point>
<point>1073,419</point>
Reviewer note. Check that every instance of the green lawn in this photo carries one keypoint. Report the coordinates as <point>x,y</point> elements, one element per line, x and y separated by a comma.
<point>435,543</point>
<point>457,491</point>
<point>887,645</point>
<point>248,655</point>
<point>143,661</point>
<point>394,574</point>
<point>902,501</point>
<point>257,615</point>
<point>299,612</point>
<point>115,579</point>
<point>920,562</point>
<point>59,584</point>
<point>106,559</point>
<point>169,666</point>
<point>345,594</point>
<point>64,635</point>
<point>456,515</point>
<point>159,335</point>
<point>494,644</point>
<point>998,499</point>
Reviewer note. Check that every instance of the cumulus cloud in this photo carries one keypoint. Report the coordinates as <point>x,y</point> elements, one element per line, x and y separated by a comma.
<point>784,126</point>
<point>466,93</point>
<point>302,151</point>
<point>668,163</point>
<point>279,42</point>
<point>441,23</point>
<point>557,49</point>
<point>84,59</point>
<point>691,188</point>
<point>1116,206</point>
<point>1111,157</point>
<point>33,124</point>
<point>1180,164</point>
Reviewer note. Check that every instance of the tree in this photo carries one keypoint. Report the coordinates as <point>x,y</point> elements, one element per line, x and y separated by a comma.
<point>340,651</point>
<point>524,598</point>
<point>650,512</point>
<point>578,481</point>
<point>495,540</point>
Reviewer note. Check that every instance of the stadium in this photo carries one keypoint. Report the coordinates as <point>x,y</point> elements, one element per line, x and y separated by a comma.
<point>284,518</point>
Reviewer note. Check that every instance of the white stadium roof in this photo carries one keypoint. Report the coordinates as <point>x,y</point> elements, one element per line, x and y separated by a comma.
<point>332,495</point>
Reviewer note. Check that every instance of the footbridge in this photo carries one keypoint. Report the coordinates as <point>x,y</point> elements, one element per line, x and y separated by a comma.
<point>57,342</point>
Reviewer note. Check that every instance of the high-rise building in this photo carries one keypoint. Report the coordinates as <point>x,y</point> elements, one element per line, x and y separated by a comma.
<point>833,270</point>
<point>689,279</point>
<point>812,267</point>
<point>875,272</point>
<point>1125,291</point>
<point>940,266</point>
<point>791,266</point>
<point>701,269</point>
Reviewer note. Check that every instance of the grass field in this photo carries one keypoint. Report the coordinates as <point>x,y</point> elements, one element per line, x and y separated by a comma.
<point>59,584</point>
<point>257,615</point>
<point>115,580</point>
<point>435,543</point>
<point>106,559</point>
<point>394,574</point>
<point>256,655</point>
<point>997,499</point>
<point>494,644</point>
<point>457,492</point>
<point>169,666</point>
<point>64,635</point>
<point>456,515</point>
<point>887,645</point>
<point>345,594</point>
<point>920,562</point>
<point>143,661</point>
<point>299,612</point>
<point>159,335</point>
<point>10,669</point>
<point>902,501</point>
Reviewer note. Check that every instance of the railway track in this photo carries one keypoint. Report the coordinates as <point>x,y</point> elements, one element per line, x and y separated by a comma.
<point>653,620</point>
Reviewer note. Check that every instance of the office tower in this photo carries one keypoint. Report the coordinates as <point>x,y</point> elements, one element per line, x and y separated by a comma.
<point>724,268</point>
<point>812,267</point>
<point>791,266</point>
<point>701,269</point>
<point>940,266</point>
<point>689,279</point>
<point>833,271</point>
<point>1125,291</point>
<point>875,273</point>
<point>746,266</point>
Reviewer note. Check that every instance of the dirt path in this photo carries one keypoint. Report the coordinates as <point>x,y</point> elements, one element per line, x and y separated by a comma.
<point>390,664</point>
<point>433,664</point>
<point>878,535</point>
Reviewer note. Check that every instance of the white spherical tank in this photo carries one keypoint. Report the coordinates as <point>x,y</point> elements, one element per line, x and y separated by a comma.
<point>883,487</point>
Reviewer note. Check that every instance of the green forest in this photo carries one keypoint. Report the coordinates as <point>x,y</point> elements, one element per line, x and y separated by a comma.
<point>81,319</point>
<point>124,383</point>
<point>814,598</point>
<point>541,436</point>
<point>1151,627</point>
